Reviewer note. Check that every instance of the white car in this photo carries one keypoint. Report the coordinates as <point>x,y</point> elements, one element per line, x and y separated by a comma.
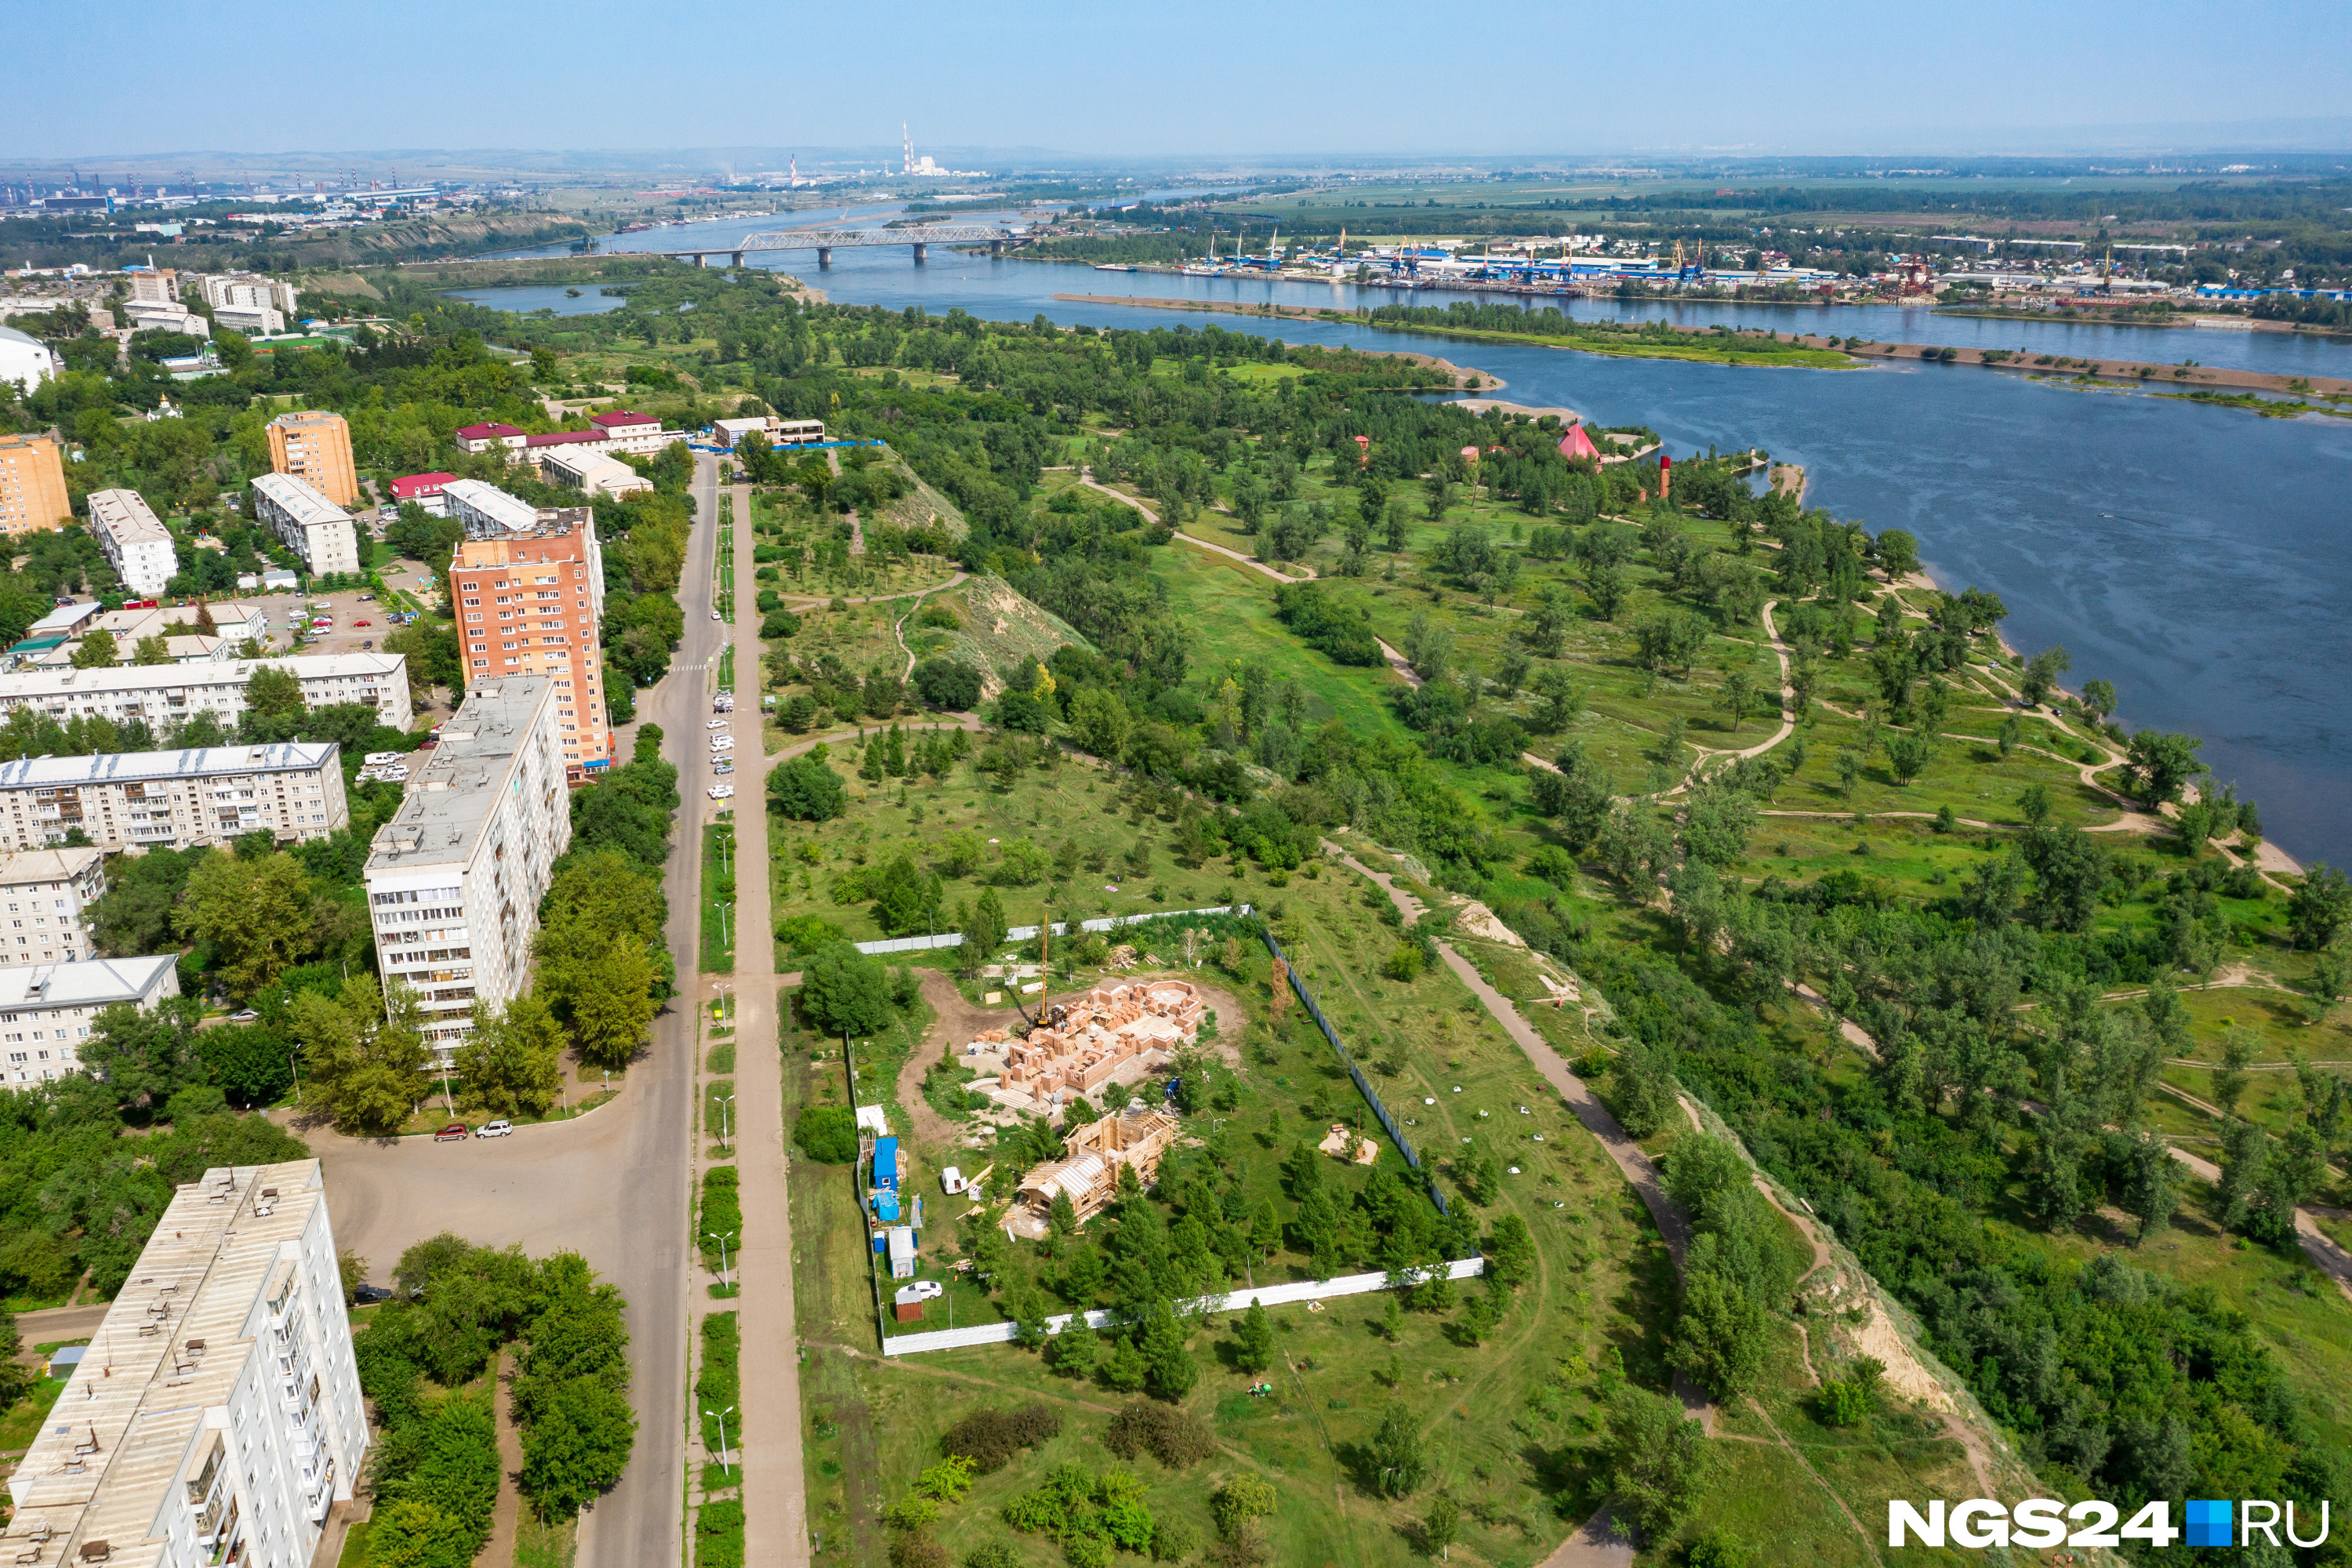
<point>720,792</point>
<point>714,615</point>
<point>499,1128</point>
<point>716,724</point>
<point>925,1290</point>
<point>722,743</point>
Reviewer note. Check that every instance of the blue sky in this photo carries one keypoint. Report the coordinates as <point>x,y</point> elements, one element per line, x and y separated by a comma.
<point>1215,78</point>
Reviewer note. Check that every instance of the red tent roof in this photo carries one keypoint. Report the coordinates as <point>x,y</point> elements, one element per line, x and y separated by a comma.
<point>1576,444</point>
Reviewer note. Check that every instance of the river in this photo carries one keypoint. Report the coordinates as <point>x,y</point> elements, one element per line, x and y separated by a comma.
<point>2200,558</point>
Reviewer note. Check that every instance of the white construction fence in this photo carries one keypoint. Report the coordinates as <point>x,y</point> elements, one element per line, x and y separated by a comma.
<point>1029,933</point>
<point>1238,1300</point>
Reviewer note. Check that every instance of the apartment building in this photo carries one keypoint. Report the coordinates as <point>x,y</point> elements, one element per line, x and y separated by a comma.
<point>32,484</point>
<point>136,541</point>
<point>619,431</point>
<point>530,590</point>
<point>46,894</point>
<point>253,321</point>
<point>315,446</point>
<point>215,1417</point>
<point>47,1011</point>
<point>164,693</point>
<point>177,800</point>
<point>455,879</point>
<point>315,528</point>
<point>248,289</point>
<point>153,286</point>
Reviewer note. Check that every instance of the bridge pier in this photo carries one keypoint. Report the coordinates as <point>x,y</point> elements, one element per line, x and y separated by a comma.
<point>693,258</point>
<point>995,247</point>
<point>735,258</point>
<point>922,253</point>
<point>824,256</point>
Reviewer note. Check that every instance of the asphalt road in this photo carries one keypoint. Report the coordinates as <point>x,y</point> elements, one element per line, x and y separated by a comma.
<point>615,1184</point>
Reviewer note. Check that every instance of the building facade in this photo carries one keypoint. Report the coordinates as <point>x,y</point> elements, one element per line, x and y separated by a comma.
<point>217,1416</point>
<point>46,894</point>
<point>317,529</point>
<point>175,800</point>
<point>46,1009</point>
<point>32,484</point>
<point>455,879</point>
<point>619,431</point>
<point>136,541</point>
<point>248,289</point>
<point>315,446</point>
<point>530,596</point>
<point>592,474</point>
<point>161,694</point>
<point>25,362</point>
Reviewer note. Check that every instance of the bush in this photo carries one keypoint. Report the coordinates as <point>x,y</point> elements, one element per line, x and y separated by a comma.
<point>827,1133</point>
<point>1175,1437</point>
<point>995,1554</point>
<point>917,1551</point>
<point>1173,1539</point>
<point>779,623</point>
<point>990,1438</point>
<point>722,1213</point>
<point>1341,632</point>
<point>718,1535</point>
<point>806,933</point>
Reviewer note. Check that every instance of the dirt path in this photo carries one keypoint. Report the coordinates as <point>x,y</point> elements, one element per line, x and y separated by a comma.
<point>1086,478</point>
<point>797,598</point>
<point>507,1516</point>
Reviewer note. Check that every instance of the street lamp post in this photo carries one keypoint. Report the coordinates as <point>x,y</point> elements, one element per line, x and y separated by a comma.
<point>721,1241</point>
<point>723,1104</point>
<point>720,1416</point>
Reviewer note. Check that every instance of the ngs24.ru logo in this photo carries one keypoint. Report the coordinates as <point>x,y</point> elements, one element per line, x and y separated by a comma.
<point>2044,1521</point>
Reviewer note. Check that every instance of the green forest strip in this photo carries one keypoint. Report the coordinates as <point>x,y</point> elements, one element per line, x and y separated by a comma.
<point>1550,327</point>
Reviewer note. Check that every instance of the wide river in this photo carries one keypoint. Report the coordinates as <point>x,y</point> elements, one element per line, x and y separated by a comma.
<point>2199,558</point>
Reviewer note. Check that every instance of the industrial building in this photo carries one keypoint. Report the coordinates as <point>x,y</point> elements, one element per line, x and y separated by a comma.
<point>314,527</point>
<point>215,1417</point>
<point>175,800</point>
<point>315,446</point>
<point>32,484</point>
<point>48,894</point>
<point>136,541</point>
<point>454,880</point>
<point>47,1009</point>
<point>164,693</point>
<point>530,590</point>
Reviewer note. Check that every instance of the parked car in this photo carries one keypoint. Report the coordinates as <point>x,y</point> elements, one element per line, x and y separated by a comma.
<point>723,766</point>
<point>357,624</point>
<point>367,647</point>
<point>367,598</point>
<point>720,792</point>
<point>715,724</point>
<point>366,1295</point>
<point>247,1016</point>
<point>714,615</point>
<point>925,1290</point>
<point>499,1128</point>
<point>456,1131</point>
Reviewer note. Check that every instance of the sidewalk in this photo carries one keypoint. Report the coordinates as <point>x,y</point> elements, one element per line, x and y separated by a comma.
<point>775,1497</point>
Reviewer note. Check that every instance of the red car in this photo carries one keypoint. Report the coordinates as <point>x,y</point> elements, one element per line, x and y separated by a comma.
<point>363,623</point>
<point>457,1131</point>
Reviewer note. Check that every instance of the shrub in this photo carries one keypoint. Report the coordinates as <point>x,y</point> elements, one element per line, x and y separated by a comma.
<point>995,1554</point>
<point>806,790</point>
<point>1175,1437</point>
<point>990,1438</point>
<point>917,1551</point>
<point>719,1535</point>
<point>806,933</point>
<point>826,1133</point>
<point>779,623</point>
<point>1173,1539</point>
<point>949,684</point>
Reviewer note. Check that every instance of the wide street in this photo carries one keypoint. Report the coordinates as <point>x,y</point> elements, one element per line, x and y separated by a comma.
<point>614,1185</point>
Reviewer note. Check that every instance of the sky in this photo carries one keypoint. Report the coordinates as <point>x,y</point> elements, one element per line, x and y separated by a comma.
<point>1210,79</point>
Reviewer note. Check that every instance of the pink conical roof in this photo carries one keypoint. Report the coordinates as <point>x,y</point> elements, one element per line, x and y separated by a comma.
<point>1576,444</point>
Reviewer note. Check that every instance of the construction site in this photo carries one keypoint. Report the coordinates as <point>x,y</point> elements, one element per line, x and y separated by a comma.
<point>1087,1172</point>
<point>1113,1034</point>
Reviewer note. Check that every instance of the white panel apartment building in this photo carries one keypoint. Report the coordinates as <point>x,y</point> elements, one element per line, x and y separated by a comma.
<point>217,1416</point>
<point>175,800</point>
<point>46,894</point>
<point>46,1009</point>
<point>315,529</point>
<point>454,880</point>
<point>162,693</point>
<point>136,541</point>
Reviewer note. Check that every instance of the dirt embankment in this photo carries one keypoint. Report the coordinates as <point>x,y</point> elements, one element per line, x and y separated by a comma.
<point>2143,372</point>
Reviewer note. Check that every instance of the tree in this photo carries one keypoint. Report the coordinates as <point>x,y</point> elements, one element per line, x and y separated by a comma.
<point>95,651</point>
<point>2041,673</point>
<point>2320,907</point>
<point>1253,1340</point>
<point>844,991</point>
<point>1722,1336</point>
<point>255,915</point>
<point>2151,1183</point>
<point>1656,1459</point>
<point>613,1002</point>
<point>1738,695</point>
<point>2162,765</point>
<point>1442,1525</point>
<point>512,1061</point>
<point>1395,1457</point>
<point>806,790</point>
<point>274,693</point>
<point>151,650</point>
<point>577,1448</point>
<point>1907,753</point>
<point>2229,1078</point>
<point>1101,722</point>
<point>1242,1497</point>
<point>948,684</point>
<point>2099,698</point>
<point>1510,1253</point>
<point>1170,1371</point>
<point>364,1055</point>
<point>1898,553</point>
<point>2325,982</point>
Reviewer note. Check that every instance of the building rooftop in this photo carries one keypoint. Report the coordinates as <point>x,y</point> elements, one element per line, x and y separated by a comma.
<point>126,515</point>
<point>619,418</point>
<point>300,500</point>
<point>46,865</point>
<point>64,618</point>
<point>92,983</point>
<point>199,762</point>
<point>511,513</point>
<point>143,678</point>
<point>483,432</point>
<point>565,437</point>
<point>419,484</point>
<point>172,1345</point>
<point>449,799</point>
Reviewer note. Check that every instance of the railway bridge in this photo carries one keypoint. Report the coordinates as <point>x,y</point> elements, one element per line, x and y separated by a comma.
<point>824,242</point>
